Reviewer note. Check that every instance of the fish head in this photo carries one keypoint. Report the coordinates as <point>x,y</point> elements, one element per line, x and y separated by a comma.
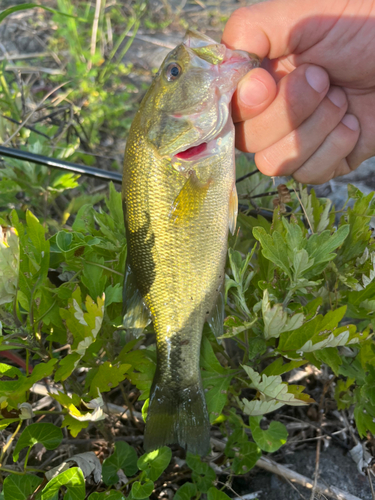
<point>188,104</point>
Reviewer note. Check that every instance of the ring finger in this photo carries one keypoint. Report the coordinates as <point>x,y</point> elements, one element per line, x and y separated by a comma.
<point>292,151</point>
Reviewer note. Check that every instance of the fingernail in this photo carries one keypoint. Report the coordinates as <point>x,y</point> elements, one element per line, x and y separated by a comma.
<point>351,122</point>
<point>337,97</point>
<point>252,92</point>
<point>317,78</point>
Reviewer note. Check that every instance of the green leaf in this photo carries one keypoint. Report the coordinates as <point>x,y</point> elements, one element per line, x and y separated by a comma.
<point>75,426</point>
<point>203,475</point>
<point>34,256</point>
<point>144,365</point>
<point>274,248</point>
<point>11,378</point>
<point>123,458</point>
<point>235,326</point>
<point>84,326</point>
<point>36,233</point>
<point>20,487</point>
<point>25,6</point>
<point>107,495</point>
<point>107,377</point>
<point>271,439</point>
<point>274,393</point>
<point>331,357</point>
<point>9,257</point>
<point>319,333</point>
<point>277,367</point>
<point>84,221</point>
<point>186,492</point>
<point>4,422</point>
<point>343,395</point>
<point>114,205</point>
<point>64,240</point>
<point>93,277</point>
<point>41,371</point>
<point>145,406</point>
<point>215,494</point>
<point>155,462</point>
<point>320,246</point>
<point>142,490</point>
<point>364,416</point>
<point>216,379</point>
<point>246,458</point>
<point>66,366</point>
<point>74,482</point>
<point>48,434</point>
<point>276,319</point>
<point>318,215</point>
<point>113,294</point>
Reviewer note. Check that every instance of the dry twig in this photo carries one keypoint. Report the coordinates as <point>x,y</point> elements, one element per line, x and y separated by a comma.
<point>294,477</point>
<point>370,481</point>
<point>27,119</point>
<point>280,470</point>
<point>316,473</point>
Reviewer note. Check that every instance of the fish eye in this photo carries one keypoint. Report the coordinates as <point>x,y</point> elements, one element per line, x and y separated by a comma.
<point>173,71</point>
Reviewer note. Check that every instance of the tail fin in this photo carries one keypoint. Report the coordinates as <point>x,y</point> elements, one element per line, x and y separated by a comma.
<point>178,416</point>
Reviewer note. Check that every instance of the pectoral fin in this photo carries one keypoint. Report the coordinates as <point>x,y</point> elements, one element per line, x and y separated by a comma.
<point>136,315</point>
<point>189,200</point>
<point>233,210</point>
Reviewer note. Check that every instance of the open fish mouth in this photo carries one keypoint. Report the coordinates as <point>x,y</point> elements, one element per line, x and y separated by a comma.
<point>184,160</point>
<point>208,146</point>
<point>192,152</point>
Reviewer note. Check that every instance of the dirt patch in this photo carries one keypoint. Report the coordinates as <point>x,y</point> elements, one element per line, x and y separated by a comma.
<point>336,469</point>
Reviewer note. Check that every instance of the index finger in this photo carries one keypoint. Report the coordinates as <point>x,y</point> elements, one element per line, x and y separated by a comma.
<point>276,28</point>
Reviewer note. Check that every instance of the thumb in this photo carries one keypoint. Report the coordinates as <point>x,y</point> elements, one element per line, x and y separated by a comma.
<point>254,94</point>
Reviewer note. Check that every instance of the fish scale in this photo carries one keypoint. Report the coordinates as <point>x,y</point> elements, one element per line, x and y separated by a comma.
<point>177,214</point>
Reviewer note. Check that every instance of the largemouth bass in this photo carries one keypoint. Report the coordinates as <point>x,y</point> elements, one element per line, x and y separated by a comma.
<point>180,200</point>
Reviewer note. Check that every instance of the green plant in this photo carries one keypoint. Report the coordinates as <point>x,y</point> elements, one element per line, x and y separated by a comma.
<point>99,84</point>
<point>302,295</point>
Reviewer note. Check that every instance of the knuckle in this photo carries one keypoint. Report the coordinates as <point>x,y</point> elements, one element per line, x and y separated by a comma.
<point>340,144</point>
<point>267,163</point>
<point>237,22</point>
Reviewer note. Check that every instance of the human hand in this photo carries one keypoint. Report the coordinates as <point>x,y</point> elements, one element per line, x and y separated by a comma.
<point>312,113</point>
